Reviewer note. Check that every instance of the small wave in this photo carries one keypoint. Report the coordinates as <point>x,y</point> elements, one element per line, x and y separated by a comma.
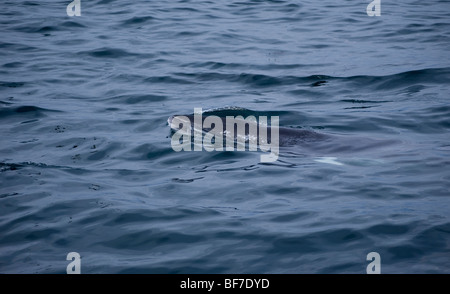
<point>138,20</point>
<point>11,84</point>
<point>106,52</point>
<point>136,99</point>
<point>387,82</point>
<point>24,110</point>
<point>72,24</point>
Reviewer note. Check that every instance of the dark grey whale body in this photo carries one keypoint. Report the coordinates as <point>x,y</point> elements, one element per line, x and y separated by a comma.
<point>300,141</point>
<point>287,136</point>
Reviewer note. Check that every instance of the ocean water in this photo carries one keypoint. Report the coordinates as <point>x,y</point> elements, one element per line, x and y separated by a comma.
<point>86,163</point>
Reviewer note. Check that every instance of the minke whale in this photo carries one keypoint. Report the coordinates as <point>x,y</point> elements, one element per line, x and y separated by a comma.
<point>288,137</point>
<point>240,134</point>
<point>232,133</point>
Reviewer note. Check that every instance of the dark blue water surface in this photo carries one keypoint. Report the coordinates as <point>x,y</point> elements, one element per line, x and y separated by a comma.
<point>86,163</point>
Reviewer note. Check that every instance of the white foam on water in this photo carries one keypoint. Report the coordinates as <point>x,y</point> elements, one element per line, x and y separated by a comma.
<point>329,160</point>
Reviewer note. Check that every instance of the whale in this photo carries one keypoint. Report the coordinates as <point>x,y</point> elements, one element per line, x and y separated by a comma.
<point>287,137</point>
<point>292,141</point>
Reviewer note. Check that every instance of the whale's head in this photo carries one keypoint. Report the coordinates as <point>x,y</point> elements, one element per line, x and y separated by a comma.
<point>174,121</point>
<point>169,120</point>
